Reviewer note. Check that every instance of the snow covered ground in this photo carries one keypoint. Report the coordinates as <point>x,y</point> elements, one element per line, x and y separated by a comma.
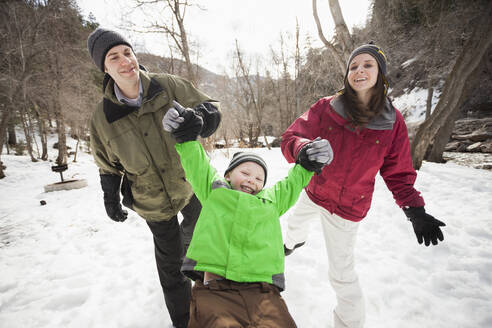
<point>66,264</point>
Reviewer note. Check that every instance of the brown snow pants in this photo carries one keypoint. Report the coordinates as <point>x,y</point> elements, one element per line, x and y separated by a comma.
<point>229,304</point>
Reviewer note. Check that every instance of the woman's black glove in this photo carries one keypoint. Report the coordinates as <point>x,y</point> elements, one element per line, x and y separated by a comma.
<point>315,154</point>
<point>183,123</point>
<point>110,184</point>
<point>426,227</point>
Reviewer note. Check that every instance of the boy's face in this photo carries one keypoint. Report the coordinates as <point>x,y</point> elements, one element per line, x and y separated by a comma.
<point>121,64</point>
<point>247,177</point>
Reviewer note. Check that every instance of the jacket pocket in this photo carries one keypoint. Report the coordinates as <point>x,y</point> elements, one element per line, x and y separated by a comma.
<point>131,151</point>
<point>361,203</point>
<point>149,197</point>
<point>354,204</point>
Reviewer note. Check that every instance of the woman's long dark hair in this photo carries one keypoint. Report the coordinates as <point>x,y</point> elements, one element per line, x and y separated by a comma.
<point>359,114</point>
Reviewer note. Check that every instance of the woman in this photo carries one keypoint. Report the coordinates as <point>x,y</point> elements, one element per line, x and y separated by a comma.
<point>368,135</point>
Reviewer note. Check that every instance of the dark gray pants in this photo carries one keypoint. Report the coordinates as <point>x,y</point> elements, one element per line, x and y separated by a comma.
<point>171,240</point>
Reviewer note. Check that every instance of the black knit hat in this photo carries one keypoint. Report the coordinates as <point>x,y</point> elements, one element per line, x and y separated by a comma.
<point>241,157</point>
<point>101,41</point>
<point>372,50</point>
<point>375,52</point>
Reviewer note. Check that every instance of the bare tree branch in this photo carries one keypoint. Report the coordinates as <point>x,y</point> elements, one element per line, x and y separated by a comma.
<point>328,44</point>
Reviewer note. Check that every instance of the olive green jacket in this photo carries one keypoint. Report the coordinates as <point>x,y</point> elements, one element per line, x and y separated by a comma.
<point>131,141</point>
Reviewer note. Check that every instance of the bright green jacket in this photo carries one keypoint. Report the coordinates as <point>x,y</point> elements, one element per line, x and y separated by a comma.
<point>238,235</point>
<point>132,142</point>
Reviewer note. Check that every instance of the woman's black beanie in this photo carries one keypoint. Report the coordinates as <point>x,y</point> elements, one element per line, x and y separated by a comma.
<point>372,50</point>
<point>376,52</point>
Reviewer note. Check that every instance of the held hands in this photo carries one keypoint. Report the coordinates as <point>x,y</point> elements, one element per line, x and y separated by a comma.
<point>111,187</point>
<point>183,123</point>
<point>315,154</point>
<point>426,227</point>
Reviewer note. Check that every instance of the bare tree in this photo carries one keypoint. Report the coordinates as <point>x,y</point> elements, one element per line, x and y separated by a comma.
<point>297,69</point>
<point>343,36</point>
<point>168,17</point>
<point>437,129</point>
<point>19,37</point>
<point>342,32</point>
<point>250,97</point>
<point>281,84</point>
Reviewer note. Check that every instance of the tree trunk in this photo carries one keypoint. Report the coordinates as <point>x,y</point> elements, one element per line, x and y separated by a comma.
<point>76,150</point>
<point>3,129</point>
<point>266,142</point>
<point>452,97</point>
<point>441,139</point>
<point>62,138</point>
<point>331,47</point>
<point>3,125</point>
<point>297,89</point>
<point>31,132</point>
<point>27,133</point>
<point>342,32</point>
<point>276,93</point>
<point>12,137</point>
<point>186,54</point>
<point>44,138</point>
<point>2,174</point>
<point>60,121</point>
<point>430,93</point>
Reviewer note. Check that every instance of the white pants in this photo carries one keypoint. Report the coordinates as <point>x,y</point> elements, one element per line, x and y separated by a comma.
<point>340,236</point>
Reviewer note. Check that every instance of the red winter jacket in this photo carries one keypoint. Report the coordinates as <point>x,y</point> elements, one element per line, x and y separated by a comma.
<point>345,187</point>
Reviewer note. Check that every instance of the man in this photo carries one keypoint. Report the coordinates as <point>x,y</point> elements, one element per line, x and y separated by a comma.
<point>128,143</point>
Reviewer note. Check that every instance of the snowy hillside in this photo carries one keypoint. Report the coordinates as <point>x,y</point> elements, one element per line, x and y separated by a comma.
<point>412,104</point>
<point>66,264</point>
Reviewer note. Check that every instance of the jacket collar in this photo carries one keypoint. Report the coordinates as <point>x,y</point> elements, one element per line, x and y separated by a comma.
<point>384,121</point>
<point>114,110</point>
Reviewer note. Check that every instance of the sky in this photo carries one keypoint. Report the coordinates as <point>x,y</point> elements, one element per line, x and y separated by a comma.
<point>256,24</point>
<point>66,264</point>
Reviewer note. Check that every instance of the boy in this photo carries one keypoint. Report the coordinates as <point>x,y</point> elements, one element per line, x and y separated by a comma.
<point>236,255</point>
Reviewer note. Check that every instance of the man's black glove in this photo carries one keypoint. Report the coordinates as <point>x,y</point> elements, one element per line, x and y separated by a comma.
<point>211,118</point>
<point>426,227</point>
<point>110,184</point>
<point>183,123</point>
<point>190,128</point>
<point>315,154</point>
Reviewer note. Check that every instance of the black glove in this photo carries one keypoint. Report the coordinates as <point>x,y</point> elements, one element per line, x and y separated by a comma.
<point>211,118</point>
<point>190,128</point>
<point>426,227</point>
<point>110,184</point>
<point>315,154</point>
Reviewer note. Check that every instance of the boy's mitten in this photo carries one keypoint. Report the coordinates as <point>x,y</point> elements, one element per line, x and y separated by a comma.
<point>315,154</point>
<point>211,118</point>
<point>110,184</point>
<point>172,120</point>
<point>426,227</point>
